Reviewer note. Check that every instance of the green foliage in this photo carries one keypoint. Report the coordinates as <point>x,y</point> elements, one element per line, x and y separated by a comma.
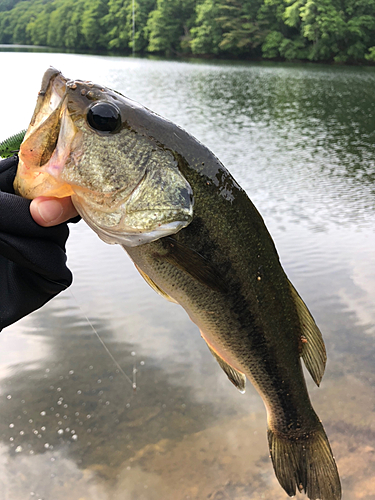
<point>65,29</point>
<point>117,25</point>
<point>317,30</point>
<point>228,26</point>
<point>242,32</point>
<point>7,4</point>
<point>371,54</point>
<point>207,33</point>
<point>168,26</point>
<point>92,23</point>
<point>38,28</point>
<point>142,11</point>
<point>338,31</point>
<point>271,45</point>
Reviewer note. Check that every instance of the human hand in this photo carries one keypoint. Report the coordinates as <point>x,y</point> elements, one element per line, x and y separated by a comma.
<point>32,258</point>
<point>47,211</point>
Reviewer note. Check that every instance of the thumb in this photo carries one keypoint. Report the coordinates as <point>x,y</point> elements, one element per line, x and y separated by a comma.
<point>52,211</point>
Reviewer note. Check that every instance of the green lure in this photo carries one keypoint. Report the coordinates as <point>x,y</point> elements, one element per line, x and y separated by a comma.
<point>11,145</point>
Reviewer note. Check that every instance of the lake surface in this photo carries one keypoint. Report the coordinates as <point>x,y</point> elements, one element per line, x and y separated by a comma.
<point>300,139</point>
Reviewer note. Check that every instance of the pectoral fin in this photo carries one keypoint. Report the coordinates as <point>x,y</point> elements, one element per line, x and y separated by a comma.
<point>154,286</point>
<point>313,351</point>
<point>237,378</point>
<point>194,264</point>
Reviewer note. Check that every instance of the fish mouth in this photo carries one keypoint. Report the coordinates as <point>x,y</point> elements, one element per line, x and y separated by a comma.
<point>52,91</point>
<point>34,175</point>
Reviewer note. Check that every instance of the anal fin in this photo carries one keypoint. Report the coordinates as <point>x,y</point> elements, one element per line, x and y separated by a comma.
<point>237,378</point>
<point>313,351</point>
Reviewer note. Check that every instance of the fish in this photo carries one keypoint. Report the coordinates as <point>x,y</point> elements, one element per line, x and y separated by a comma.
<point>140,181</point>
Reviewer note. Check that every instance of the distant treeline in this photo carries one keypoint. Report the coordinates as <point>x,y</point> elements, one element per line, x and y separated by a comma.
<point>316,30</point>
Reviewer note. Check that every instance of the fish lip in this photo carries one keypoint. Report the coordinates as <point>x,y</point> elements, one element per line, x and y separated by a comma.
<point>47,77</point>
<point>54,85</point>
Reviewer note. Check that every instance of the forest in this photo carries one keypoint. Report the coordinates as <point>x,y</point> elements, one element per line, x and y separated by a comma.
<point>340,31</point>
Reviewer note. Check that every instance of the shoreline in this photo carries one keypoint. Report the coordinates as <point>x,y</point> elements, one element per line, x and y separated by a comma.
<point>181,57</point>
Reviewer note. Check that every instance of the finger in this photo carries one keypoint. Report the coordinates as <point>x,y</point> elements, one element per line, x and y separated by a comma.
<point>52,211</point>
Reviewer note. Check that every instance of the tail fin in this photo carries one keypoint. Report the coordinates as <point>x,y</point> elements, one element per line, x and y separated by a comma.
<point>306,464</point>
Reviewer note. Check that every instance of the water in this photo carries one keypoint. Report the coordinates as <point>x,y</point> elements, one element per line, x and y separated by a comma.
<point>300,139</point>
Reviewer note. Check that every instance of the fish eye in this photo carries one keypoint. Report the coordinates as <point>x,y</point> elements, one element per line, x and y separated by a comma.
<point>104,117</point>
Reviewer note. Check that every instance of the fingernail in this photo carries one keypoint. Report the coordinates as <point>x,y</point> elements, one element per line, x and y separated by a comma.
<point>50,210</point>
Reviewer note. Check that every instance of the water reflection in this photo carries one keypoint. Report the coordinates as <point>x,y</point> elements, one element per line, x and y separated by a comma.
<point>77,391</point>
<point>76,410</point>
<point>305,133</point>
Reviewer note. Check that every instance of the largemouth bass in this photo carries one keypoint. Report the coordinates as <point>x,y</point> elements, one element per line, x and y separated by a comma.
<point>196,238</point>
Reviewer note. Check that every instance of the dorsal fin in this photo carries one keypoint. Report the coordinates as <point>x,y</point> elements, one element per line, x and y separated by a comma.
<point>154,286</point>
<point>313,351</point>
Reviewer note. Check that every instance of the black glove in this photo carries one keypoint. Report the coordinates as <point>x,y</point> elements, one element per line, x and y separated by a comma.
<point>32,258</point>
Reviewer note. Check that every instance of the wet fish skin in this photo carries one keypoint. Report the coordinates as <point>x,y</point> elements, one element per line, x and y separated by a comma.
<point>220,264</point>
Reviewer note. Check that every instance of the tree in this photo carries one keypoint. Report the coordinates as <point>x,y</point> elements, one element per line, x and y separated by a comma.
<point>18,20</point>
<point>207,33</point>
<point>168,26</point>
<point>319,30</point>
<point>242,32</point>
<point>337,30</point>
<point>7,4</point>
<point>64,28</point>
<point>94,11</point>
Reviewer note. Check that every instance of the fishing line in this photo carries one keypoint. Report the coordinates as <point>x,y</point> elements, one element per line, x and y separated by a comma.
<point>132,382</point>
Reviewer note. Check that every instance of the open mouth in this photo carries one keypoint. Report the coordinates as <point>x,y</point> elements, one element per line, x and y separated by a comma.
<point>52,91</point>
<point>40,143</point>
<point>41,137</point>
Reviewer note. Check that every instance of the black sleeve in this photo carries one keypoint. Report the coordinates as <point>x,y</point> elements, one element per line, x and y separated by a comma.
<point>32,258</point>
